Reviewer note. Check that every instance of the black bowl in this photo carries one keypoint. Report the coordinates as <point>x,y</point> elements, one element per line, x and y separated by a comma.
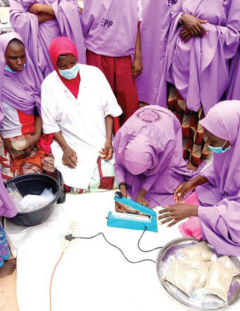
<point>35,184</point>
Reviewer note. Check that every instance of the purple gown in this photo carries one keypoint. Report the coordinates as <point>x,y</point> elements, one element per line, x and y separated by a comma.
<point>155,25</point>
<point>199,67</point>
<point>233,91</point>
<point>219,200</point>
<point>37,37</point>
<point>149,155</point>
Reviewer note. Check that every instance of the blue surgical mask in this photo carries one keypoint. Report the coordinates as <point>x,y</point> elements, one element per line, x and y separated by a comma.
<point>69,73</point>
<point>10,70</point>
<point>219,149</point>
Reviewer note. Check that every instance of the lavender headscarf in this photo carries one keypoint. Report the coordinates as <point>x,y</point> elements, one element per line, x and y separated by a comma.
<point>19,90</point>
<point>219,210</point>
<point>37,37</point>
<point>199,68</point>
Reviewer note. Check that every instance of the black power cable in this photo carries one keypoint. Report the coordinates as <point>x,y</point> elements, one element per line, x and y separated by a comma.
<point>70,237</point>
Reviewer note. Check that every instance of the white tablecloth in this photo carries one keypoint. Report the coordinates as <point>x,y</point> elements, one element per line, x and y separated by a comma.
<point>92,275</point>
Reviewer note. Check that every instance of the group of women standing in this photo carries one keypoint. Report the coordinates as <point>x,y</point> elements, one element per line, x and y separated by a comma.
<point>180,58</point>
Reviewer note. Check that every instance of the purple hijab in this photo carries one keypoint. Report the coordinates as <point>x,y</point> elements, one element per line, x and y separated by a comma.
<point>149,155</point>
<point>19,90</point>
<point>199,68</point>
<point>219,200</point>
<point>110,26</point>
<point>154,35</point>
<point>233,91</point>
<point>37,37</point>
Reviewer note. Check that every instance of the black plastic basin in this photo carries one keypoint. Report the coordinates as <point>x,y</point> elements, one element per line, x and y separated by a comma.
<point>35,184</point>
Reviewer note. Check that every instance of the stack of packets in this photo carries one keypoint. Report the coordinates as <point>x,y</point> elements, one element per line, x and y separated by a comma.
<point>198,268</point>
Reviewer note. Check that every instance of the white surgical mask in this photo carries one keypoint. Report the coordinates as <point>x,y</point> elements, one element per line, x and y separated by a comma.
<point>69,73</point>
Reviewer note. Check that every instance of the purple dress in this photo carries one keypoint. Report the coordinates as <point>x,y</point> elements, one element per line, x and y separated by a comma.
<point>233,91</point>
<point>219,200</point>
<point>199,67</point>
<point>37,37</point>
<point>149,155</point>
<point>154,35</point>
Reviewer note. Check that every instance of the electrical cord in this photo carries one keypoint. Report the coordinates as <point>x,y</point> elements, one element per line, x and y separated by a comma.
<point>144,251</point>
<point>70,237</point>
<point>50,289</point>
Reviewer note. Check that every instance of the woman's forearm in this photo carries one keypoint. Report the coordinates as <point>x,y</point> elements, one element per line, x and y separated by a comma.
<point>138,51</point>
<point>38,126</point>
<point>109,127</point>
<point>44,17</point>
<point>61,141</point>
<point>199,180</point>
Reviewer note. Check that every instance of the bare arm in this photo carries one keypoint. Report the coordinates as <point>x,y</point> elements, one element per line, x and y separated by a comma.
<point>107,151</point>
<point>69,155</point>
<point>137,63</point>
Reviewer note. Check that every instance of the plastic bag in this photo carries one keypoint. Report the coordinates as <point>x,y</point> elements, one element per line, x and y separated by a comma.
<point>15,195</point>
<point>182,276</point>
<point>227,262</point>
<point>199,265</point>
<point>219,280</point>
<point>33,202</point>
<point>199,249</point>
<point>19,142</point>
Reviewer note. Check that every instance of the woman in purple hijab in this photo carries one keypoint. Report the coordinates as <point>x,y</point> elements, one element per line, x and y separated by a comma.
<point>203,36</point>
<point>217,195</point>
<point>20,112</point>
<point>148,156</point>
<point>41,21</point>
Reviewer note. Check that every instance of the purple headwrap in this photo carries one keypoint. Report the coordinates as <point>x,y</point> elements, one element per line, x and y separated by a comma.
<point>19,90</point>
<point>139,155</point>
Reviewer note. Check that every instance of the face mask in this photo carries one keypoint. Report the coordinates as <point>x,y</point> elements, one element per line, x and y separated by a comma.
<point>219,149</point>
<point>69,73</point>
<point>10,70</point>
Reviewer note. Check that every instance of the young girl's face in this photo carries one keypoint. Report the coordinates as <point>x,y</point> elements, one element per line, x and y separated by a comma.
<point>15,57</point>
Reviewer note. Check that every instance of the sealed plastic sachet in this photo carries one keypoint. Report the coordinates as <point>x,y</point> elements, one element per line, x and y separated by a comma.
<point>199,249</point>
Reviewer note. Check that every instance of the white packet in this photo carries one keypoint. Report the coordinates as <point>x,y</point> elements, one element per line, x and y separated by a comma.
<point>198,249</point>
<point>182,276</point>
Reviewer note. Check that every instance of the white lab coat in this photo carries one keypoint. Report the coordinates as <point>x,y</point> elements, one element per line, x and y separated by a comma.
<point>81,120</point>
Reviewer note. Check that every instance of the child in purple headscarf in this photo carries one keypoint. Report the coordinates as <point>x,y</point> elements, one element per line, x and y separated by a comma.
<point>149,162</point>
<point>40,21</point>
<point>216,201</point>
<point>203,36</point>
<point>20,112</point>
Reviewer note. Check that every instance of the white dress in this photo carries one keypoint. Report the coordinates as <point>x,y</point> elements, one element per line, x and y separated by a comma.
<point>81,120</point>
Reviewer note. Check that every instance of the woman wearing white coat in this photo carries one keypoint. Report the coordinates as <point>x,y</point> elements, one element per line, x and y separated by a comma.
<point>78,106</point>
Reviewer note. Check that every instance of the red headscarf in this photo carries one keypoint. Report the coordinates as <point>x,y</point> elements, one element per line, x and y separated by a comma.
<point>61,46</point>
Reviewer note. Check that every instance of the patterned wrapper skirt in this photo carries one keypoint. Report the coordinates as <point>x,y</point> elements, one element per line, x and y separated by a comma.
<point>37,162</point>
<point>195,148</point>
